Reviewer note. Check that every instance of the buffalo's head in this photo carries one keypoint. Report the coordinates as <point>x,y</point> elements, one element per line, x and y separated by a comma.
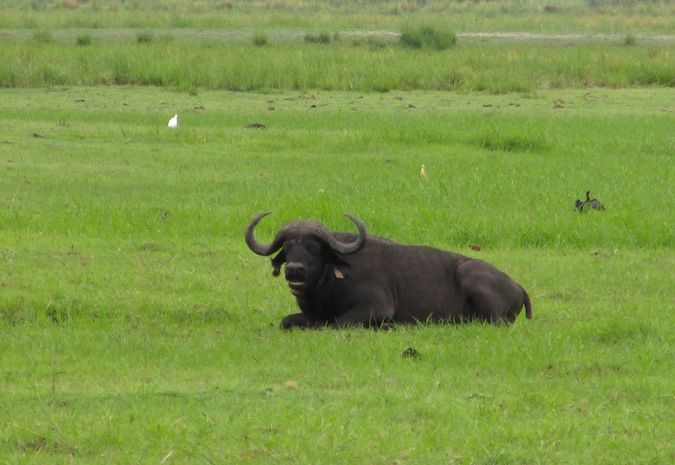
<point>309,251</point>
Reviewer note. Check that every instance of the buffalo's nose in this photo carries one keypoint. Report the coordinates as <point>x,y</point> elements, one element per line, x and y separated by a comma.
<point>294,268</point>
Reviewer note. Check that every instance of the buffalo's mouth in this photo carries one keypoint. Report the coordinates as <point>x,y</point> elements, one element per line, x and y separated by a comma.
<point>297,287</point>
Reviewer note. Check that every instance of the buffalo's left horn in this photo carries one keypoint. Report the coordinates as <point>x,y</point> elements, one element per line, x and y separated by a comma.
<point>349,247</point>
<point>257,247</point>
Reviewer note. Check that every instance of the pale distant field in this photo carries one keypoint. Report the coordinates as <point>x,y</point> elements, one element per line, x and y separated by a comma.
<point>136,327</point>
<point>551,16</point>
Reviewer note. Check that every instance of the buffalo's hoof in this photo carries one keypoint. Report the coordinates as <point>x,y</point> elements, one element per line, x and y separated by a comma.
<point>297,320</point>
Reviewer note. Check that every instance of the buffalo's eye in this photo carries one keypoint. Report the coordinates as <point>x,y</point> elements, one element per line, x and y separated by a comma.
<point>288,245</point>
<point>313,247</point>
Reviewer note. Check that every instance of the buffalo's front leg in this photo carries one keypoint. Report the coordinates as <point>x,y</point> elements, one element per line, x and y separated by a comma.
<point>366,316</point>
<point>300,320</point>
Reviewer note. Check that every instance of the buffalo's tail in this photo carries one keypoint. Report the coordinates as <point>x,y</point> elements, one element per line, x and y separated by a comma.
<point>528,305</point>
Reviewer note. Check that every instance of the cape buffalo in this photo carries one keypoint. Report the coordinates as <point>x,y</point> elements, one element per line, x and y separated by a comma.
<point>341,279</point>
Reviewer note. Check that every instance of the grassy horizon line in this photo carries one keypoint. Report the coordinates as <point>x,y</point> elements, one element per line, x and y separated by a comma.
<point>494,67</point>
<point>514,15</point>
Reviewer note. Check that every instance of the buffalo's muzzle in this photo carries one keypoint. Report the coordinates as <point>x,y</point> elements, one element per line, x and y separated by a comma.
<point>295,275</point>
<point>294,268</point>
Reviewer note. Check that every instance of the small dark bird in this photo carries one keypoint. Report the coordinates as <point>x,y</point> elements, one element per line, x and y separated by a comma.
<point>588,204</point>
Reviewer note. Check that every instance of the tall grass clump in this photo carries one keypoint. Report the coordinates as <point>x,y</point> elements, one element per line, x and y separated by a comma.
<point>629,40</point>
<point>322,37</point>
<point>427,36</point>
<point>144,37</point>
<point>43,37</point>
<point>496,141</point>
<point>375,42</point>
<point>372,42</point>
<point>83,39</point>
<point>259,39</point>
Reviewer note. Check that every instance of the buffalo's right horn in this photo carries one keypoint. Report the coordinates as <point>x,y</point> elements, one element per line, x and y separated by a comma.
<point>257,247</point>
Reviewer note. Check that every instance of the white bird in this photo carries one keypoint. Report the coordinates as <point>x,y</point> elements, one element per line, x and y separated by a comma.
<point>173,122</point>
<point>423,173</point>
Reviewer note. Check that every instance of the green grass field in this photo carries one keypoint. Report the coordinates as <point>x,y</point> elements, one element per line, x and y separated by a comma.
<point>136,326</point>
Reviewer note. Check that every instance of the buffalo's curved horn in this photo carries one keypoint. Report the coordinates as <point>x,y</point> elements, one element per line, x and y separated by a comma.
<point>349,247</point>
<point>257,247</point>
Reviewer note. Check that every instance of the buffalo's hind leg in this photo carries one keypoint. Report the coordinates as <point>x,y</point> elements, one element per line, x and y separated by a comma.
<point>512,314</point>
<point>484,307</point>
<point>490,295</point>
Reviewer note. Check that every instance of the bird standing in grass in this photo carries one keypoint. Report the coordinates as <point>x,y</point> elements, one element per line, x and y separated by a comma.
<point>173,122</point>
<point>588,204</point>
<point>423,173</point>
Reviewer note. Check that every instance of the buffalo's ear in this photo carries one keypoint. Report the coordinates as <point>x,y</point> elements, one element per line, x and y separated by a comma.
<point>277,261</point>
<point>341,268</point>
